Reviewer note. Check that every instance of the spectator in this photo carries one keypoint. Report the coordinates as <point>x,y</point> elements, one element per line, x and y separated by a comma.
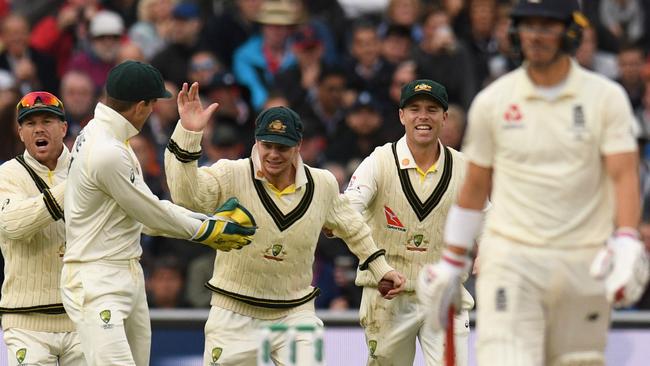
<point>297,81</point>
<point>324,108</point>
<point>154,26</point>
<point>366,69</point>
<point>404,73</point>
<point>312,149</point>
<point>623,19</point>
<point>165,284</point>
<point>106,31</point>
<point>32,69</point>
<point>79,96</point>
<point>262,57</point>
<point>590,57</point>
<point>162,120</point>
<point>630,66</point>
<point>360,135</point>
<point>199,273</point>
<point>202,68</point>
<point>226,32</point>
<point>130,51</point>
<point>232,104</point>
<point>174,59</point>
<point>396,44</point>
<point>443,58</point>
<point>481,41</point>
<point>453,129</point>
<point>10,144</point>
<point>59,34</point>
<point>403,14</point>
<point>151,169</point>
<point>224,142</point>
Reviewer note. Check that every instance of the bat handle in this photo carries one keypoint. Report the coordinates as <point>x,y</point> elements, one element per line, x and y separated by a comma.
<point>450,349</point>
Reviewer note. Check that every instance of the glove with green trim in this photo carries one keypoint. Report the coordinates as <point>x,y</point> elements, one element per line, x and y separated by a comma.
<point>231,227</point>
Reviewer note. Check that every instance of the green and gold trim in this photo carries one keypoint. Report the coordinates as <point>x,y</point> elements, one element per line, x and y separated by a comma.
<point>423,209</point>
<point>52,206</point>
<point>183,156</point>
<point>265,303</point>
<point>364,266</point>
<point>52,309</point>
<point>281,220</point>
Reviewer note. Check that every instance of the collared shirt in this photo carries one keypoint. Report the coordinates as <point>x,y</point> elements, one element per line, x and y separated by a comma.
<point>290,194</point>
<point>549,184</point>
<point>363,184</point>
<point>107,200</point>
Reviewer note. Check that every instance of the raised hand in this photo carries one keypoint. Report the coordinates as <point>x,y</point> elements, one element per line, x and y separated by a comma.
<point>193,116</point>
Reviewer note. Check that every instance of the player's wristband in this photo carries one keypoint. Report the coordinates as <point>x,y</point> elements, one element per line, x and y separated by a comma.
<point>462,226</point>
<point>456,263</point>
<point>627,231</point>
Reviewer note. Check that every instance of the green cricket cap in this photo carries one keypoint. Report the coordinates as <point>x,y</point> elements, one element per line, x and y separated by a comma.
<point>280,125</point>
<point>133,81</point>
<point>426,87</point>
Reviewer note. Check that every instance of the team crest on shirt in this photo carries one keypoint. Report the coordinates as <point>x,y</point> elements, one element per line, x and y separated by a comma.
<point>579,128</point>
<point>513,117</point>
<point>216,353</point>
<point>105,316</point>
<point>372,347</point>
<point>417,243</point>
<point>20,355</point>
<point>392,221</point>
<point>275,252</point>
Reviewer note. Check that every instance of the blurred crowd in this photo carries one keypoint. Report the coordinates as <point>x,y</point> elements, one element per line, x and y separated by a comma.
<point>339,64</point>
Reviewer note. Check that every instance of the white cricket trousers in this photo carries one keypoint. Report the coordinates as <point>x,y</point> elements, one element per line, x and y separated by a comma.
<point>106,300</point>
<point>392,327</point>
<point>29,347</point>
<point>237,338</point>
<point>539,306</point>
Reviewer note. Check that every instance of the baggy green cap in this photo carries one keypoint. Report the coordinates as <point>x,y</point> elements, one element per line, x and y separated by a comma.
<point>280,125</point>
<point>424,87</point>
<point>133,81</point>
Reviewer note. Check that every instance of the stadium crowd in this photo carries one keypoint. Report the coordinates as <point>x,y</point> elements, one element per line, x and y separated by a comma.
<point>339,64</point>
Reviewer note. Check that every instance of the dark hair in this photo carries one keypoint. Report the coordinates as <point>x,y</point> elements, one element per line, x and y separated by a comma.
<point>331,70</point>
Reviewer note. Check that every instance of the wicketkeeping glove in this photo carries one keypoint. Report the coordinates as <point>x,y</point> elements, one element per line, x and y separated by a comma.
<point>438,288</point>
<point>623,264</point>
<point>231,227</point>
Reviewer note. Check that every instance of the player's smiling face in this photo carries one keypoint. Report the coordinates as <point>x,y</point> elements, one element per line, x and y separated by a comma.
<point>422,118</point>
<point>540,39</point>
<point>43,135</point>
<point>276,159</point>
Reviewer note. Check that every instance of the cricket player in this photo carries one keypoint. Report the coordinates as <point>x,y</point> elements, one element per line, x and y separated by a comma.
<point>269,282</point>
<point>553,144</point>
<point>107,205</point>
<point>37,331</point>
<point>405,189</point>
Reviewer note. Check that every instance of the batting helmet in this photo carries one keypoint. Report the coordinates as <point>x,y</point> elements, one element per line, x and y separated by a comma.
<point>567,11</point>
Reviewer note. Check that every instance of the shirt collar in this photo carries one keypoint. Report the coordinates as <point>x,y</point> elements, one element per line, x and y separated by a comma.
<point>119,126</point>
<point>301,177</point>
<point>61,163</point>
<point>406,160</point>
<point>526,87</point>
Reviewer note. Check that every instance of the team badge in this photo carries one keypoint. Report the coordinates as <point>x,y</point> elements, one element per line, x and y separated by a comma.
<point>20,355</point>
<point>105,316</point>
<point>277,127</point>
<point>417,243</point>
<point>216,353</point>
<point>422,87</point>
<point>372,347</point>
<point>513,116</point>
<point>275,252</point>
<point>392,221</point>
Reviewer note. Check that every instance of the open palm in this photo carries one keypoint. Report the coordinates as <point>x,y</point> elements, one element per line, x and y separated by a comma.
<point>193,116</point>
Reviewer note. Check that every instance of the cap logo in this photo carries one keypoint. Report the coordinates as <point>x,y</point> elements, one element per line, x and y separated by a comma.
<point>277,127</point>
<point>421,87</point>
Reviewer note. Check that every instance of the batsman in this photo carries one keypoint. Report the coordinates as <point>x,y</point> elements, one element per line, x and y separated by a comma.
<point>552,144</point>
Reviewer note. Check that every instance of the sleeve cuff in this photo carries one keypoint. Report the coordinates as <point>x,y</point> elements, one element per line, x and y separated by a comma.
<point>379,267</point>
<point>186,139</point>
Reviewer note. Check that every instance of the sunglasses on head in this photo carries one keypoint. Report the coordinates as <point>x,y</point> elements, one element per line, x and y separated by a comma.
<point>39,98</point>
